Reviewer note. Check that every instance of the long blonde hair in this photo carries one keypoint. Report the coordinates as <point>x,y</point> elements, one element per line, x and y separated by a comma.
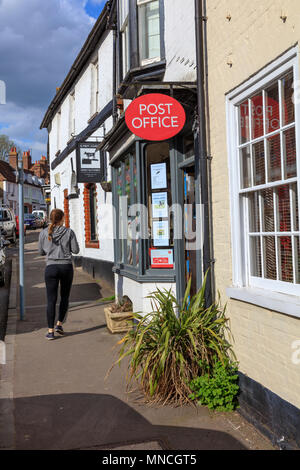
<point>56,217</point>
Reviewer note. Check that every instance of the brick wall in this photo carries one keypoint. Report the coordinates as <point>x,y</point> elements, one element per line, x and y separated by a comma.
<point>66,209</point>
<point>254,36</point>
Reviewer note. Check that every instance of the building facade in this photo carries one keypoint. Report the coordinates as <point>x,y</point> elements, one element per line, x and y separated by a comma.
<point>33,185</point>
<point>250,112</point>
<point>253,64</point>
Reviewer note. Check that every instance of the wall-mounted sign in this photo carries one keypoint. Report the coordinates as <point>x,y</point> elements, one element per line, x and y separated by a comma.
<point>162,259</point>
<point>155,117</point>
<point>160,205</point>
<point>88,163</point>
<point>159,176</point>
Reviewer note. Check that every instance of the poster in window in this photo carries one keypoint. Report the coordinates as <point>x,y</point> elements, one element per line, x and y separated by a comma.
<point>159,176</point>
<point>160,205</point>
<point>162,258</point>
<point>161,233</point>
<point>88,163</point>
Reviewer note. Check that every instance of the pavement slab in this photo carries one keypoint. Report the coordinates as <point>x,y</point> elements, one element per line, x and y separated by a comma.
<point>59,396</point>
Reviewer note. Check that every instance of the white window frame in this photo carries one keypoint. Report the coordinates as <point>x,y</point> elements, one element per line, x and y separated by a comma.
<point>124,30</point>
<point>152,59</point>
<point>94,87</point>
<point>58,130</point>
<point>243,284</point>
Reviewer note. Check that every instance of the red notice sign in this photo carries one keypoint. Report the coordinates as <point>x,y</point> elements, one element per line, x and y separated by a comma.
<point>155,117</point>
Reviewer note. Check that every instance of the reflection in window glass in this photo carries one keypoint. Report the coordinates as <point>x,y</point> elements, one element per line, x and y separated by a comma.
<point>288,111</point>
<point>272,108</point>
<point>274,158</point>
<point>255,248</point>
<point>244,127</point>
<point>259,163</point>
<point>246,167</point>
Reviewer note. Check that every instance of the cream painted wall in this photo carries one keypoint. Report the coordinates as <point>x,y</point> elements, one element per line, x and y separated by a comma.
<point>238,48</point>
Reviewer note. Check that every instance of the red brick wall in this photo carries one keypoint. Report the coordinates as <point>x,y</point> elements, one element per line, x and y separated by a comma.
<point>66,209</point>
<point>87,220</point>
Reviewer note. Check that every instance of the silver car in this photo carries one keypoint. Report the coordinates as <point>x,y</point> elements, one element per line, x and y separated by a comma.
<point>8,223</point>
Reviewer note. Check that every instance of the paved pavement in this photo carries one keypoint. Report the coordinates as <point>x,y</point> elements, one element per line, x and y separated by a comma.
<point>55,395</point>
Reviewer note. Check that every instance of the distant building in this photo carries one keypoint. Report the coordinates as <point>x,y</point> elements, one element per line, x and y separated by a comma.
<point>33,185</point>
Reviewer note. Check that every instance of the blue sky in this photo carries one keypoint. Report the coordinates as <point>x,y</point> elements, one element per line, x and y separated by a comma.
<point>35,57</point>
<point>94,8</point>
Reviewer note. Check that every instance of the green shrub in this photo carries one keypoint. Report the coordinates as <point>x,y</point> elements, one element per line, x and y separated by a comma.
<point>218,387</point>
<point>167,345</point>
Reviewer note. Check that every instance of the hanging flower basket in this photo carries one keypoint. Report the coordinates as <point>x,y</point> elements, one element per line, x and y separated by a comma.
<point>106,186</point>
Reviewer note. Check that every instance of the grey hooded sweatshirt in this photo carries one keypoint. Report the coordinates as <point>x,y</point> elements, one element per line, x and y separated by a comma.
<point>59,250</point>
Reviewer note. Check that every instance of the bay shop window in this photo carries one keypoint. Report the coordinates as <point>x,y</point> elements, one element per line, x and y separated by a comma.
<point>142,197</point>
<point>264,172</point>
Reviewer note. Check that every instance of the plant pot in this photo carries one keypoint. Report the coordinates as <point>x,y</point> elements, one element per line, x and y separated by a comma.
<point>118,322</point>
<point>106,186</point>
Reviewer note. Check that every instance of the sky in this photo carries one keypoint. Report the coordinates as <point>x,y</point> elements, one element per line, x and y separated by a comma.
<point>39,41</point>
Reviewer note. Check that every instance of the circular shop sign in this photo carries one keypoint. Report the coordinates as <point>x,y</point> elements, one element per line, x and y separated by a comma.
<point>155,117</point>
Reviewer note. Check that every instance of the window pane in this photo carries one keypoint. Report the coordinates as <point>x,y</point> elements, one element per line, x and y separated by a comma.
<point>257,116</point>
<point>120,193</point>
<point>254,222</point>
<point>289,149</point>
<point>272,108</point>
<point>288,100</point>
<point>246,167</point>
<point>297,259</point>
<point>259,163</point>
<point>268,211</point>
<point>286,259</point>
<point>244,126</point>
<point>255,256</point>
<point>295,206</point>
<point>274,158</point>
<point>269,258</point>
<point>149,30</point>
<point>284,209</point>
<point>123,11</point>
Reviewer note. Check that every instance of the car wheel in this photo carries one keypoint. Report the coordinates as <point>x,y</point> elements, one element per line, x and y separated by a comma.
<point>14,238</point>
<point>2,280</point>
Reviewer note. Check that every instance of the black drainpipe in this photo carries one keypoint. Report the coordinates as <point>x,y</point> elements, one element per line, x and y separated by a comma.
<point>202,157</point>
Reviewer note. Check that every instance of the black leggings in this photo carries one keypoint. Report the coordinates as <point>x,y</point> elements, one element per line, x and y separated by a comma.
<point>55,274</point>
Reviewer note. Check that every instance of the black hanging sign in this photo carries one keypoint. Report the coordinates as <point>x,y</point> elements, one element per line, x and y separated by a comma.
<point>88,162</point>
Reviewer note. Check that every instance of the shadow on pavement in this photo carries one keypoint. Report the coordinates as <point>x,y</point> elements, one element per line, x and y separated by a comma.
<point>81,421</point>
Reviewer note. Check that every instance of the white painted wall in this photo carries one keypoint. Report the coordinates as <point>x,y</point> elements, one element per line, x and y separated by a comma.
<point>180,40</point>
<point>82,115</point>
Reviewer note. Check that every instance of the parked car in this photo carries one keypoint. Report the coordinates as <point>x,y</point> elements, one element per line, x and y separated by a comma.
<point>3,243</point>
<point>30,222</point>
<point>43,215</point>
<point>17,227</point>
<point>8,223</point>
<point>39,221</point>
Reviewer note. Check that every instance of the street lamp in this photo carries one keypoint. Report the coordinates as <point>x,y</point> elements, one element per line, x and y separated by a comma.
<point>20,181</point>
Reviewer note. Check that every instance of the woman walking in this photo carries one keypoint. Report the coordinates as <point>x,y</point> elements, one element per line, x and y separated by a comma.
<point>58,243</point>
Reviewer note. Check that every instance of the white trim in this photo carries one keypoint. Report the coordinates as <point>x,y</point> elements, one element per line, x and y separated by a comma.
<point>241,277</point>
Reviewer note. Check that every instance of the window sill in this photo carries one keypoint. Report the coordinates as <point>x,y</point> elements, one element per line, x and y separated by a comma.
<point>92,244</point>
<point>276,301</point>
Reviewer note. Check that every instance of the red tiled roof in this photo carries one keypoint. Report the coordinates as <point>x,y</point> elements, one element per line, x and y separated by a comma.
<point>7,171</point>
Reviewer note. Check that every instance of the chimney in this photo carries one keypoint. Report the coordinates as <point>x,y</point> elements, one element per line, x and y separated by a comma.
<point>27,164</point>
<point>13,158</point>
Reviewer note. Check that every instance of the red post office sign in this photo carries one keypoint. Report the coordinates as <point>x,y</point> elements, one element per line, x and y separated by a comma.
<point>155,117</point>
